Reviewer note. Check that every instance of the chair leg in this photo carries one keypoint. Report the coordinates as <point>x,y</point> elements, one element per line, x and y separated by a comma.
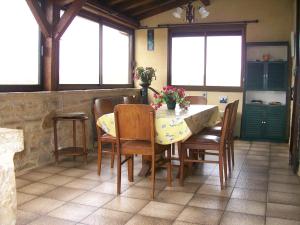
<point>153,175</point>
<point>173,148</point>
<point>228,149</point>
<point>119,173</point>
<point>169,168</point>
<point>182,156</point>
<point>221,170</point>
<point>232,151</point>
<point>112,156</point>
<point>99,157</point>
<point>130,163</point>
<point>225,162</point>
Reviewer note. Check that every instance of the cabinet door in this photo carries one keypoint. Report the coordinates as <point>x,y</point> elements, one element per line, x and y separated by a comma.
<point>253,121</point>
<point>276,76</point>
<point>275,122</point>
<point>255,76</point>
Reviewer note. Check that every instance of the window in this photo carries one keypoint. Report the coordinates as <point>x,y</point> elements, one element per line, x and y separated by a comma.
<point>206,59</point>
<point>94,55</point>
<point>19,46</point>
<point>79,53</point>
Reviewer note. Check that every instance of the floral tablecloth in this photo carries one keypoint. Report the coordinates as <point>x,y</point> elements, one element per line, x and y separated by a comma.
<point>173,125</point>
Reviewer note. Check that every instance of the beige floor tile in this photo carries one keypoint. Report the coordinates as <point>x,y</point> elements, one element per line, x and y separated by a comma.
<point>231,218</point>
<point>105,176</point>
<point>139,192</point>
<point>207,189</point>
<point>24,217</point>
<point>264,177</point>
<point>106,216</point>
<point>245,206</point>
<point>212,180</point>
<point>50,169</point>
<point>22,198</point>
<point>188,187</point>
<point>73,212</point>
<point>200,216</point>
<point>147,183</point>
<point>175,197</point>
<point>145,220</point>
<point>252,184</point>
<point>37,188</point>
<point>74,172</point>
<point>278,221</point>
<point>123,204</point>
<point>35,176</point>
<point>177,222</point>
<point>247,194</point>
<point>284,179</point>
<point>41,205</point>
<point>283,211</point>
<point>288,188</point>
<point>287,172</point>
<point>161,210</point>
<point>57,180</point>
<point>21,182</point>
<point>284,198</point>
<point>47,220</point>
<point>82,184</point>
<point>93,199</point>
<point>209,201</point>
<point>64,193</point>
<point>109,188</point>
<point>196,179</point>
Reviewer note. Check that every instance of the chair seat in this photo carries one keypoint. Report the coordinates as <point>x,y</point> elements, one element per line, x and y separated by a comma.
<point>215,130</point>
<point>107,138</point>
<point>202,141</point>
<point>144,147</point>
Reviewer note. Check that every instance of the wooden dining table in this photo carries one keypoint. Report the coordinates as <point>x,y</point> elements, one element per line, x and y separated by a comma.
<point>172,126</point>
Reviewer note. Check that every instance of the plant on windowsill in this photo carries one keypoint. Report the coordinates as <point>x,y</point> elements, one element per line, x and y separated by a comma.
<point>145,75</point>
<point>170,96</point>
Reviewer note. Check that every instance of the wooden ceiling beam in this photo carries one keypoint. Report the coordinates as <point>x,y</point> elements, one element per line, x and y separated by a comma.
<point>67,18</point>
<point>205,2</point>
<point>40,17</point>
<point>155,8</point>
<point>62,2</point>
<point>114,2</point>
<point>130,4</point>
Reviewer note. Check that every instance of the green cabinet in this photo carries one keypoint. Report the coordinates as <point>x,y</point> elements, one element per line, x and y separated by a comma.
<point>266,76</point>
<point>264,122</point>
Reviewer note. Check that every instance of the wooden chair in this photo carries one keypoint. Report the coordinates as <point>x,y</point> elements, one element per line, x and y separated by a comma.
<point>101,107</point>
<point>130,99</point>
<point>215,144</point>
<point>135,131</point>
<point>216,130</point>
<point>197,100</point>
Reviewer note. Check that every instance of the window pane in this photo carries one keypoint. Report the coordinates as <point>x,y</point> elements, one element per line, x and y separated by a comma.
<point>187,61</point>
<point>79,53</point>
<point>115,56</point>
<point>19,41</point>
<point>224,60</point>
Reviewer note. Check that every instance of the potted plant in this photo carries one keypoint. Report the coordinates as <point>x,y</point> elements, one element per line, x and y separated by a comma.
<point>145,75</point>
<point>170,96</point>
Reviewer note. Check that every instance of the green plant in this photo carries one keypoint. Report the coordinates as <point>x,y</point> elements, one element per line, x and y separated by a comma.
<point>146,74</point>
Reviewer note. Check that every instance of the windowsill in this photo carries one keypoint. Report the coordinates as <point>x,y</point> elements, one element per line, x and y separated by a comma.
<point>211,88</point>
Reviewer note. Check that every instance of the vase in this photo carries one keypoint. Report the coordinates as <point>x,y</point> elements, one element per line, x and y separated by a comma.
<point>171,105</point>
<point>144,91</point>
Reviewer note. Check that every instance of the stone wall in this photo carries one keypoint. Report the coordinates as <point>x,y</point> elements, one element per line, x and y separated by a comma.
<point>33,111</point>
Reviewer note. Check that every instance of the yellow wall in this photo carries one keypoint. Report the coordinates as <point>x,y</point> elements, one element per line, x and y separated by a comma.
<point>275,24</point>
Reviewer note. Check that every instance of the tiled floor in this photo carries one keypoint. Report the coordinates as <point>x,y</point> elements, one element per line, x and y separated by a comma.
<point>262,190</point>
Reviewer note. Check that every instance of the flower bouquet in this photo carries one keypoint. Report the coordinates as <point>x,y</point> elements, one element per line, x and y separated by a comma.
<point>145,75</point>
<point>171,95</point>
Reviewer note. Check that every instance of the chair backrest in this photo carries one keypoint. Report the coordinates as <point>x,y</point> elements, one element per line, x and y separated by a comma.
<point>130,99</point>
<point>101,106</point>
<point>233,116</point>
<point>134,122</point>
<point>226,123</point>
<point>196,100</point>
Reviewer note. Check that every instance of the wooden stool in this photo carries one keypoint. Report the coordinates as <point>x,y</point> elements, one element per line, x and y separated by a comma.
<point>74,150</point>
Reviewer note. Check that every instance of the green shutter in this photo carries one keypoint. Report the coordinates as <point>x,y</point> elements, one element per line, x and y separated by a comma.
<point>255,76</point>
<point>277,74</point>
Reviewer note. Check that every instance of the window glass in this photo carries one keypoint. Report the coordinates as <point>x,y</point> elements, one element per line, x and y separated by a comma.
<point>224,60</point>
<point>79,53</point>
<point>19,45</point>
<point>115,64</point>
<point>188,61</point>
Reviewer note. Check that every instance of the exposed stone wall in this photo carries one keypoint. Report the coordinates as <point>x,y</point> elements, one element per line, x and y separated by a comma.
<point>32,112</point>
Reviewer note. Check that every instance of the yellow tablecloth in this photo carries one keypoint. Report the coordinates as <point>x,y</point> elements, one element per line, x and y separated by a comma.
<point>172,125</point>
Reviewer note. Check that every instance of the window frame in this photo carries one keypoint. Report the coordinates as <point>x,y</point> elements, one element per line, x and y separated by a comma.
<point>208,30</point>
<point>29,87</point>
<point>101,22</point>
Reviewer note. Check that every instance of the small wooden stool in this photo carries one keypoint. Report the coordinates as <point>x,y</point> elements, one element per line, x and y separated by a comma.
<point>74,150</point>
